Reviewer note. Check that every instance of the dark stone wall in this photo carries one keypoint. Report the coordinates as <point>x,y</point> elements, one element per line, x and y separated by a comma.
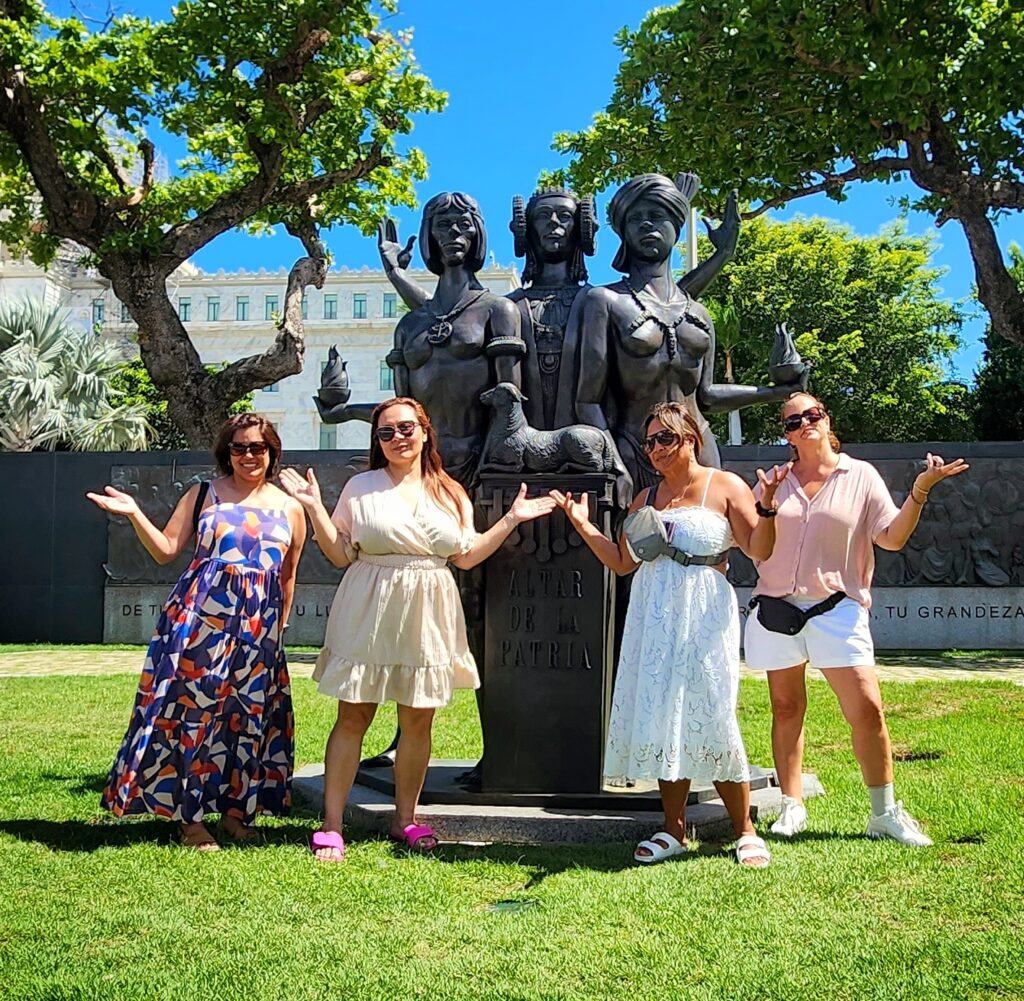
<point>55,541</point>
<point>56,544</point>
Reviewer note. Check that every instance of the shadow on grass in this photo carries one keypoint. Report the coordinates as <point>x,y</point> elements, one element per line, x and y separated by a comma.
<point>84,784</point>
<point>93,835</point>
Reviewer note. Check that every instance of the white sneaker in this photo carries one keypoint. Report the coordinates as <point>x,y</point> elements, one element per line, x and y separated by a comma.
<point>897,824</point>
<point>792,820</point>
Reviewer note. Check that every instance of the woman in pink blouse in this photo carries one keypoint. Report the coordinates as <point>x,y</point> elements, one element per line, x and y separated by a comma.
<point>830,512</point>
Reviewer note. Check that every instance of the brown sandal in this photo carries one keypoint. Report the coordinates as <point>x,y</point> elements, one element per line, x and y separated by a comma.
<point>198,838</point>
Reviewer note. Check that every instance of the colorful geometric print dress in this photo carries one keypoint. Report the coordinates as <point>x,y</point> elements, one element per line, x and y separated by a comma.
<point>212,727</point>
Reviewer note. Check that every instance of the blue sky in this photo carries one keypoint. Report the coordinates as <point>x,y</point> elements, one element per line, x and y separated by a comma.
<point>516,74</point>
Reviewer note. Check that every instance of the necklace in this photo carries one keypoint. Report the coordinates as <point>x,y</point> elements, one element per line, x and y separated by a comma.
<point>441,328</point>
<point>667,329</point>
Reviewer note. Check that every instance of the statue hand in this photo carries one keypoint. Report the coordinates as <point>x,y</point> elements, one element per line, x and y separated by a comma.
<point>115,501</point>
<point>305,490</point>
<point>935,471</point>
<point>577,511</point>
<point>726,234</point>
<point>392,254</point>
<point>526,509</point>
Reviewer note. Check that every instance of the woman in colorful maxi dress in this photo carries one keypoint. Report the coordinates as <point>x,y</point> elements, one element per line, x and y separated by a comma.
<point>212,727</point>
<point>674,702</point>
<point>396,632</point>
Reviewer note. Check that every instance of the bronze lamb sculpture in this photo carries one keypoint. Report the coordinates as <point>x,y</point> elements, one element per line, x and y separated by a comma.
<point>513,446</point>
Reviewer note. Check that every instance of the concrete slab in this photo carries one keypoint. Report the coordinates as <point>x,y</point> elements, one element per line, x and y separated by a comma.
<point>371,810</point>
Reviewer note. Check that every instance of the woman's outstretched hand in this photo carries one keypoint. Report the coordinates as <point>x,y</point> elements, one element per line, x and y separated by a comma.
<point>935,471</point>
<point>305,489</point>
<point>526,509</point>
<point>115,501</point>
<point>769,484</point>
<point>577,511</point>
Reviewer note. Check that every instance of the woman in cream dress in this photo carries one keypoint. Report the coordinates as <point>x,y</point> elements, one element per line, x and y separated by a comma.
<point>396,631</point>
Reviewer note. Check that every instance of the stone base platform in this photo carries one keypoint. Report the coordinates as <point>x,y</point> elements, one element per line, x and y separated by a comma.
<point>629,815</point>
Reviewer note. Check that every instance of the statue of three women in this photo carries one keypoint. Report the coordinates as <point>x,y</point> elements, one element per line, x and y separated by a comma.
<point>580,354</point>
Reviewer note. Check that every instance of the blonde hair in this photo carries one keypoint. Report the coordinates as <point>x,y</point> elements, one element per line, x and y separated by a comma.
<point>676,418</point>
<point>832,439</point>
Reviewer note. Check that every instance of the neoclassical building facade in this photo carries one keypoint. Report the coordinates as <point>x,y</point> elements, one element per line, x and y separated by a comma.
<point>230,314</point>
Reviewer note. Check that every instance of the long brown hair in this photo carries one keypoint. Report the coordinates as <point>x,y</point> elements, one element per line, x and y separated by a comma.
<point>832,439</point>
<point>444,491</point>
<point>239,422</point>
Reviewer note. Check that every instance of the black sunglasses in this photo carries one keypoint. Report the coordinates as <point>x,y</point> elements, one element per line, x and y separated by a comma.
<point>255,448</point>
<point>665,438</point>
<point>795,421</point>
<point>405,428</point>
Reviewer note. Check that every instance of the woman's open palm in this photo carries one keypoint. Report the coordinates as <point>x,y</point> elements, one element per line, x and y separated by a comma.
<point>577,511</point>
<point>115,501</point>
<point>527,508</point>
<point>305,489</point>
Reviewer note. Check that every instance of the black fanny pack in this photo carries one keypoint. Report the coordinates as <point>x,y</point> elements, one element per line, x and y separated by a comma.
<point>780,616</point>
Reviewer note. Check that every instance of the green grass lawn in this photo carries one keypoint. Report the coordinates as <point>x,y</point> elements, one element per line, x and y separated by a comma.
<point>94,909</point>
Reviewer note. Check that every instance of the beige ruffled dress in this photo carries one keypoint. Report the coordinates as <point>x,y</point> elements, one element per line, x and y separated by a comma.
<point>396,631</point>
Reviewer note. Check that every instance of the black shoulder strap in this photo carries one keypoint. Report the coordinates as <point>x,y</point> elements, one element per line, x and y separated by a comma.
<point>652,492</point>
<point>204,489</point>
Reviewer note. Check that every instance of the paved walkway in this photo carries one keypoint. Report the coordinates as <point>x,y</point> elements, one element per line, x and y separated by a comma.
<point>70,660</point>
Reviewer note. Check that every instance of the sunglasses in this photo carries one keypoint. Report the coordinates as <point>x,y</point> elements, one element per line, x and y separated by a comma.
<point>254,448</point>
<point>386,432</point>
<point>795,421</point>
<point>665,438</point>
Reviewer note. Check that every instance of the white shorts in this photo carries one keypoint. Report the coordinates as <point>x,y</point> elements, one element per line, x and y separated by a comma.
<point>838,638</point>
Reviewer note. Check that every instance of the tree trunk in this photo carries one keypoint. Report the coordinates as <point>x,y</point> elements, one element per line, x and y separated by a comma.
<point>997,291</point>
<point>198,401</point>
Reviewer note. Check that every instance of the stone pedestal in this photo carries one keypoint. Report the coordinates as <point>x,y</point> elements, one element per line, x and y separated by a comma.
<point>548,623</point>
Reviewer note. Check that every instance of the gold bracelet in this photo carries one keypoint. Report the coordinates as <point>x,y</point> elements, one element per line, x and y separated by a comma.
<point>511,520</point>
<point>914,499</point>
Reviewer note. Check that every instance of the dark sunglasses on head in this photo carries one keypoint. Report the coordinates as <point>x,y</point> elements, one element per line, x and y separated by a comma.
<point>795,421</point>
<point>405,428</point>
<point>256,448</point>
<point>665,438</point>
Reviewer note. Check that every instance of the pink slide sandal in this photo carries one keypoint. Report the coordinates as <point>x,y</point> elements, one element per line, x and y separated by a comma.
<point>327,839</point>
<point>414,834</point>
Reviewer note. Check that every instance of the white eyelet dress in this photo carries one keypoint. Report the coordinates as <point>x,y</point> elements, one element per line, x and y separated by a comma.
<point>674,703</point>
<point>396,631</point>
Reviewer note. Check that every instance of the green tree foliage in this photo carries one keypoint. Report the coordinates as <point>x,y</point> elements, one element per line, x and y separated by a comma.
<point>56,391</point>
<point>784,98</point>
<point>865,311</point>
<point>999,381</point>
<point>134,385</point>
<point>292,112</point>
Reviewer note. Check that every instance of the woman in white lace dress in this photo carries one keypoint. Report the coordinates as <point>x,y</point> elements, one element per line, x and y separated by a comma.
<point>674,704</point>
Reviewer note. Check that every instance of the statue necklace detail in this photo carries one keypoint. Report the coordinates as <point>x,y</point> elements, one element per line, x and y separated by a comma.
<point>440,330</point>
<point>667,328</point>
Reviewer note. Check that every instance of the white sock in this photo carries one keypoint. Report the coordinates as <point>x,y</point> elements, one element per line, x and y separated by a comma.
<point>883,798</point>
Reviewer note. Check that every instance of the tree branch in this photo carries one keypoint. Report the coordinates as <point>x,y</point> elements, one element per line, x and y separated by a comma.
<point>72,211</point>
<point>143,188</point>
<point>285,356</point>
<point>860,171</point>
<point>300,192</point>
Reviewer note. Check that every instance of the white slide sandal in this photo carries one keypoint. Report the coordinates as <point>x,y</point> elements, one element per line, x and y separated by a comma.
<point>671,847</point>
<point>750,847</point>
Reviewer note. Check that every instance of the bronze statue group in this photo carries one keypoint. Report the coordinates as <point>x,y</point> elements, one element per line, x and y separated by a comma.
<point>614,378</point>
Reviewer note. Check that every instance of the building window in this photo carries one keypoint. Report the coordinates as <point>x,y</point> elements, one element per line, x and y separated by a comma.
<point>270,307</point>
<point>328,435</point>
<point>126,317</point>
<point>330,307</point>
<point>390,305</point>
<point>184,310</point>
<point>97,312</point>
<point>272,388</point>
<point>213,309</point>
<point>359,306</point>
<point>305,307</point>
<point>241,307</point>
<point>387,377</point>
